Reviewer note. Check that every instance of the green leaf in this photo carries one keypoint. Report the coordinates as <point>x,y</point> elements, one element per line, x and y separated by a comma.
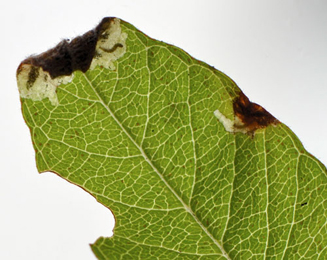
<point>188,165</point>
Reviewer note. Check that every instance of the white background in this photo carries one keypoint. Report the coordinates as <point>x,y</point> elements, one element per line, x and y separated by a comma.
<point>276,51</point>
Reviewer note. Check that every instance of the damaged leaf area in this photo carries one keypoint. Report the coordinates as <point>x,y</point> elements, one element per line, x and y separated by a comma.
<point>248,117</point>
<point>188,165</point>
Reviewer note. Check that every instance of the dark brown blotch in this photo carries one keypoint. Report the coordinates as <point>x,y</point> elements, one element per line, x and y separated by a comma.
<point>32,76</point>
<point>68,56</point>
<point>252,115</point>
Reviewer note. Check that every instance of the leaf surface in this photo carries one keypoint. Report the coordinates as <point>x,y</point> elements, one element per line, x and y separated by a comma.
<point>139,132</point>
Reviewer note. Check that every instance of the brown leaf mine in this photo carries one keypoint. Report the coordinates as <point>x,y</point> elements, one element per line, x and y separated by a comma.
<point>39,76</point>
<point>69,56</point>
<point>248,116</point>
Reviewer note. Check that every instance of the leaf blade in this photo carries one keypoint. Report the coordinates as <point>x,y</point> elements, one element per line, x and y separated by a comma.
<point>142,137</point>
